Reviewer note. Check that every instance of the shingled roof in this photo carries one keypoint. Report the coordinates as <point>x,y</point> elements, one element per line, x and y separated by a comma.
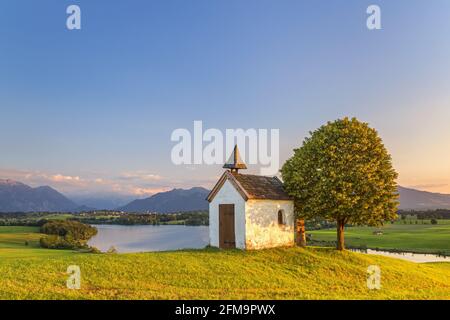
<point>252,187</point>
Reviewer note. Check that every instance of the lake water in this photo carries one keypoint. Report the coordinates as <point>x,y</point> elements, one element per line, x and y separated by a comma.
<point>413,257</point>
<point>142,238</point>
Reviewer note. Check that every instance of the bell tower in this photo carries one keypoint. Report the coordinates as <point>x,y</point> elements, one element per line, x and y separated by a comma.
<point>235,162</point>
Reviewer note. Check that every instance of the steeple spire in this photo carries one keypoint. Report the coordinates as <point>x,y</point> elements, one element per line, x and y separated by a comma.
<point>235,162</point>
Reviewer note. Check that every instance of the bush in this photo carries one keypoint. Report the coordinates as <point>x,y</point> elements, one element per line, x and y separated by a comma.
<point>66,235</point>
<point>74,229</point>
<point>434,221</point>
<point>56,242</point>
<point>94,250</point>
<point>112,249</point>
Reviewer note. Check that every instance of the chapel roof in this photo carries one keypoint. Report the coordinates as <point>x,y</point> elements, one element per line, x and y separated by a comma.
<point>252,186</point>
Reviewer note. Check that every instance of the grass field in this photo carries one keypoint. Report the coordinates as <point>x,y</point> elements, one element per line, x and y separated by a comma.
<point>426,238</point>
<point>29,272</point>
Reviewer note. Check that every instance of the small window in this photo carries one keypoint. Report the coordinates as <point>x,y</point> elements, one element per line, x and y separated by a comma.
<point>281,221</point>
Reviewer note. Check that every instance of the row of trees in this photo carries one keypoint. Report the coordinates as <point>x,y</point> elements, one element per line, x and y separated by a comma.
<point>193,218</point>
<point>428,214</point>
<point>343,173</point>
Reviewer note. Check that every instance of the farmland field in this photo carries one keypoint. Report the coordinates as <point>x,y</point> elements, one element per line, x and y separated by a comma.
<point>409,236</point>
<point>29,272</point>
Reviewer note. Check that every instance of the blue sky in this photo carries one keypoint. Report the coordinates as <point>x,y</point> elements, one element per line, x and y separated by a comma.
<point>92,110</point>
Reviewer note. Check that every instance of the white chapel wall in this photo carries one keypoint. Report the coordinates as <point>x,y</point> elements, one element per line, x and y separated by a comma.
<point>262,229</point>
<point>227,195</point>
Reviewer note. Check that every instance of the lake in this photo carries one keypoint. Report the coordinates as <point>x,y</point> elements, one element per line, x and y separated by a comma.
<point>142,238</point>
<point>408,256</point>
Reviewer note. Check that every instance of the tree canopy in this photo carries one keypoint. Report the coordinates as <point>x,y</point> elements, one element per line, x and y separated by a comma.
<point>343,172</point>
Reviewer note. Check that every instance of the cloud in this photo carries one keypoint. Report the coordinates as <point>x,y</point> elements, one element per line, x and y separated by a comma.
<point>62,182</point>
<point>140,175</point>
<point>60,177</point>
<point>135,184</point>
<point>148,191</point>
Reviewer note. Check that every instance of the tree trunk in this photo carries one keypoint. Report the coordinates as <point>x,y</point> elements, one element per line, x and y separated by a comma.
<point>301,235</point>
<point>340,235</point>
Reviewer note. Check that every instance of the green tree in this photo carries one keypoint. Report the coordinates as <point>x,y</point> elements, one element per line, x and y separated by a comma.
<point>66,234</point>
<point>343,173</point>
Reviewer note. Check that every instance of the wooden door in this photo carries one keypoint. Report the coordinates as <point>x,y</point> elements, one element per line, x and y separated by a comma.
<point>227,238</point>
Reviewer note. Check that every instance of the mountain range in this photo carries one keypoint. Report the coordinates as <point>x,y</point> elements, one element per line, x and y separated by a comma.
<point>102,201</point>
<point>412,199</point>
<point>176,200</point>
<point>18,197</point>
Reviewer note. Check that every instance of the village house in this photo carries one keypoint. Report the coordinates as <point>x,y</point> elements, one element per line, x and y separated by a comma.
<point>249,211</point>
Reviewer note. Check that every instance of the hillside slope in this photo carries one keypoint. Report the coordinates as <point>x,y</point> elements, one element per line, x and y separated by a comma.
<point>284,273</point>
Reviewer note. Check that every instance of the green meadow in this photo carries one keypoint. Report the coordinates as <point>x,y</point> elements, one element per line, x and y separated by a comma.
<point>420,238</point>
<point>29,272</point>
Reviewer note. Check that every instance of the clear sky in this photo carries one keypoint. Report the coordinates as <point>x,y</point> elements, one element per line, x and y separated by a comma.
<point>92,110</point>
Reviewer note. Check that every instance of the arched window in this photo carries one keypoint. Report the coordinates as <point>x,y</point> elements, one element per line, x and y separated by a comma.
<point>281,221</point>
